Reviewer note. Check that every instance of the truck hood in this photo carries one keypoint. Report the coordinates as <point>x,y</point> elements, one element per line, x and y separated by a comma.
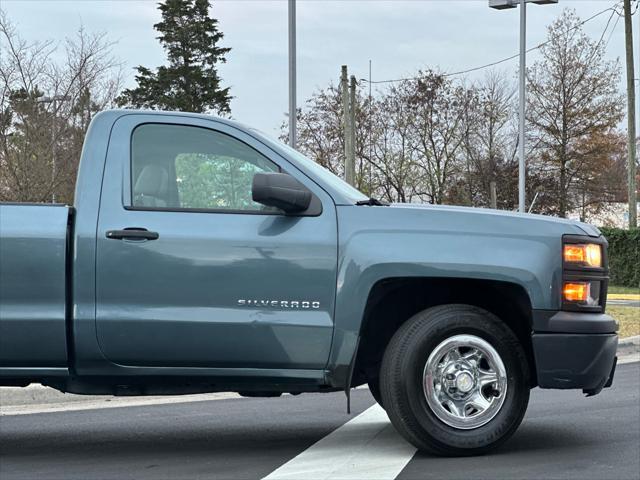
<point>440,241</point>
<point>484,217</point>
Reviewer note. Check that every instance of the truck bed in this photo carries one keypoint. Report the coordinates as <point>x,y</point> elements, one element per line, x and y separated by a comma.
<point>33,260</point>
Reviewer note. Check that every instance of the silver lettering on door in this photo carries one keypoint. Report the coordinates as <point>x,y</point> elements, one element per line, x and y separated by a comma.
<point>284,304</point>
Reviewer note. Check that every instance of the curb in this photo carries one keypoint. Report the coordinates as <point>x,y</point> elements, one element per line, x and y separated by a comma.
<point>629,346</point>
<point>623,296</point>
<point>69,402</point>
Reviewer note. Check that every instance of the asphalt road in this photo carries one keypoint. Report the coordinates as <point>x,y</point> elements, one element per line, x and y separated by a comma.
<point>564,435</point>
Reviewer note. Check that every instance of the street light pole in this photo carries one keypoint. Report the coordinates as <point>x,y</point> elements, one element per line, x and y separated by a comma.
<point>292,75</point>
<point>522,167</point>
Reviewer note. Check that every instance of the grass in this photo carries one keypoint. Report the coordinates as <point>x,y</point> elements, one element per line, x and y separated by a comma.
<point>615,289</point>
<point>628,318</point>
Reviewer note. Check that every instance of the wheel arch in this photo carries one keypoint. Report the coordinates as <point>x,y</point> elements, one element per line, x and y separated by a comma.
<point>392,301</point>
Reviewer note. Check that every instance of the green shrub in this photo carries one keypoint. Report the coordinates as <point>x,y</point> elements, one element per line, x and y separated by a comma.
<point>624,256</point>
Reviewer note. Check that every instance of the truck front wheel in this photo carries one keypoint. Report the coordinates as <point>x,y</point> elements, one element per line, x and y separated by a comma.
<point>454,381</point>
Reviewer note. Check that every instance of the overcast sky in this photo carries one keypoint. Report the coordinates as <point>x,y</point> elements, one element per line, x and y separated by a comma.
<point>399,37</point>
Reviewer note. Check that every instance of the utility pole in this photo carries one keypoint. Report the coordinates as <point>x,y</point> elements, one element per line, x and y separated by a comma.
<point>349,124</point>
<point>494,195</point>
<point>631,116</point>
<point>293,111</point>
<point>346,121</point>
<point>350,173</point>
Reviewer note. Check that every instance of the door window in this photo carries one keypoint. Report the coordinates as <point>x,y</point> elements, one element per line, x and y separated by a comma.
<point>177,166</point>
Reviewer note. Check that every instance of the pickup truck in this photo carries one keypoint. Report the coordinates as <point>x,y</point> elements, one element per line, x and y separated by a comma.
<point>203,256</point>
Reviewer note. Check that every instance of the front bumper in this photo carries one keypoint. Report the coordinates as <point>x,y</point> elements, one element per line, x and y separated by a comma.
<point>574,350</point>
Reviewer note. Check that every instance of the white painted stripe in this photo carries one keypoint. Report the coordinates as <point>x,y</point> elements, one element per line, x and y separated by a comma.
<point>114,402</point>
<point>366,447</point>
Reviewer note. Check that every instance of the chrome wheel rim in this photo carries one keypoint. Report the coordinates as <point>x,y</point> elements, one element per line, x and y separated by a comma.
<point>465,382</point>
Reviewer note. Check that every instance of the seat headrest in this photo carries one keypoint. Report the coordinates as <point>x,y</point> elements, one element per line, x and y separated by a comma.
<point>152,181</point>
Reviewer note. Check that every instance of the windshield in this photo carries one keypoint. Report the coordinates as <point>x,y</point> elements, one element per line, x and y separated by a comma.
<point>318,170</point>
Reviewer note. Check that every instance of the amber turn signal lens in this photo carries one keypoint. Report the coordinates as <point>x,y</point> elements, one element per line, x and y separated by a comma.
<point>589,254</point>
<point>576,291</point>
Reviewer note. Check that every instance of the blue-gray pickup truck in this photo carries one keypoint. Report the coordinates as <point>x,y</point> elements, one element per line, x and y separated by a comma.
<point>202,256</point>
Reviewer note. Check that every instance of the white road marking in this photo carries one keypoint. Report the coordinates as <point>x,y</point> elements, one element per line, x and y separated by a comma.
<point>114,402</point>
<point>366,447</point>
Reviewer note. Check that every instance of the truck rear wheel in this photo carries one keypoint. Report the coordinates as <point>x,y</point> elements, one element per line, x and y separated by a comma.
<point>454,381</point>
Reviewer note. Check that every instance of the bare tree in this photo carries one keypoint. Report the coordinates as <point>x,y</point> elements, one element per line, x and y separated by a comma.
<point>320,133</point>
<point>46,107</point>
<point>602,179</point>
<point>442,140</point>
<point>320,129</point>
<point>436,108</point>
<point>409,139</point>
<point>573,96</point>
<point>490,140</point>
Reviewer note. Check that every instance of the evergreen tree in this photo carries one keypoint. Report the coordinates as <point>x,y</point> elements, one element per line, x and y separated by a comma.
<point>190,82</point>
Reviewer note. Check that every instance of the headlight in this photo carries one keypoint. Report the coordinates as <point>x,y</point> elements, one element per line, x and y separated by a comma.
<point>583,254</point>
<point>585,274</point>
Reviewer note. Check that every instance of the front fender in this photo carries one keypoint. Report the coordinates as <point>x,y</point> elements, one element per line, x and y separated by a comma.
<point>434,244</point>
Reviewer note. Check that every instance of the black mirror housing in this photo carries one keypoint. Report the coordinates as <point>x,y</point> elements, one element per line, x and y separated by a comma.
<point>282,191</point>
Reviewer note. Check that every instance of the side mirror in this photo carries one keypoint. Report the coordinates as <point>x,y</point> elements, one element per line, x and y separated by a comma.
<point>281,191</point>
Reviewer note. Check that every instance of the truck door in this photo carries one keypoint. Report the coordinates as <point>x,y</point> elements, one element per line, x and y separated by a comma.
<point>190,271</point>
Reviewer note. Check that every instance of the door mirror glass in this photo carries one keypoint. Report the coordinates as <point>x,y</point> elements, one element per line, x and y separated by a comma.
<point>280,190</point>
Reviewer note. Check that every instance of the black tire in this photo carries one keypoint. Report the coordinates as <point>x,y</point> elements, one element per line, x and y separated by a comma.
<point>374,388</point>
<point>401,380</point>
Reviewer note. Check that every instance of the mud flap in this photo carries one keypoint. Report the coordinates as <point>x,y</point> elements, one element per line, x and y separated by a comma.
<point>347,385</point>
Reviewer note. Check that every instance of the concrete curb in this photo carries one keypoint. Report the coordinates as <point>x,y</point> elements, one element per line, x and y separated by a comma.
<point>629,349</point>
<point>623,296</point>
<point>635,340</point>
<point>55,401</point>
